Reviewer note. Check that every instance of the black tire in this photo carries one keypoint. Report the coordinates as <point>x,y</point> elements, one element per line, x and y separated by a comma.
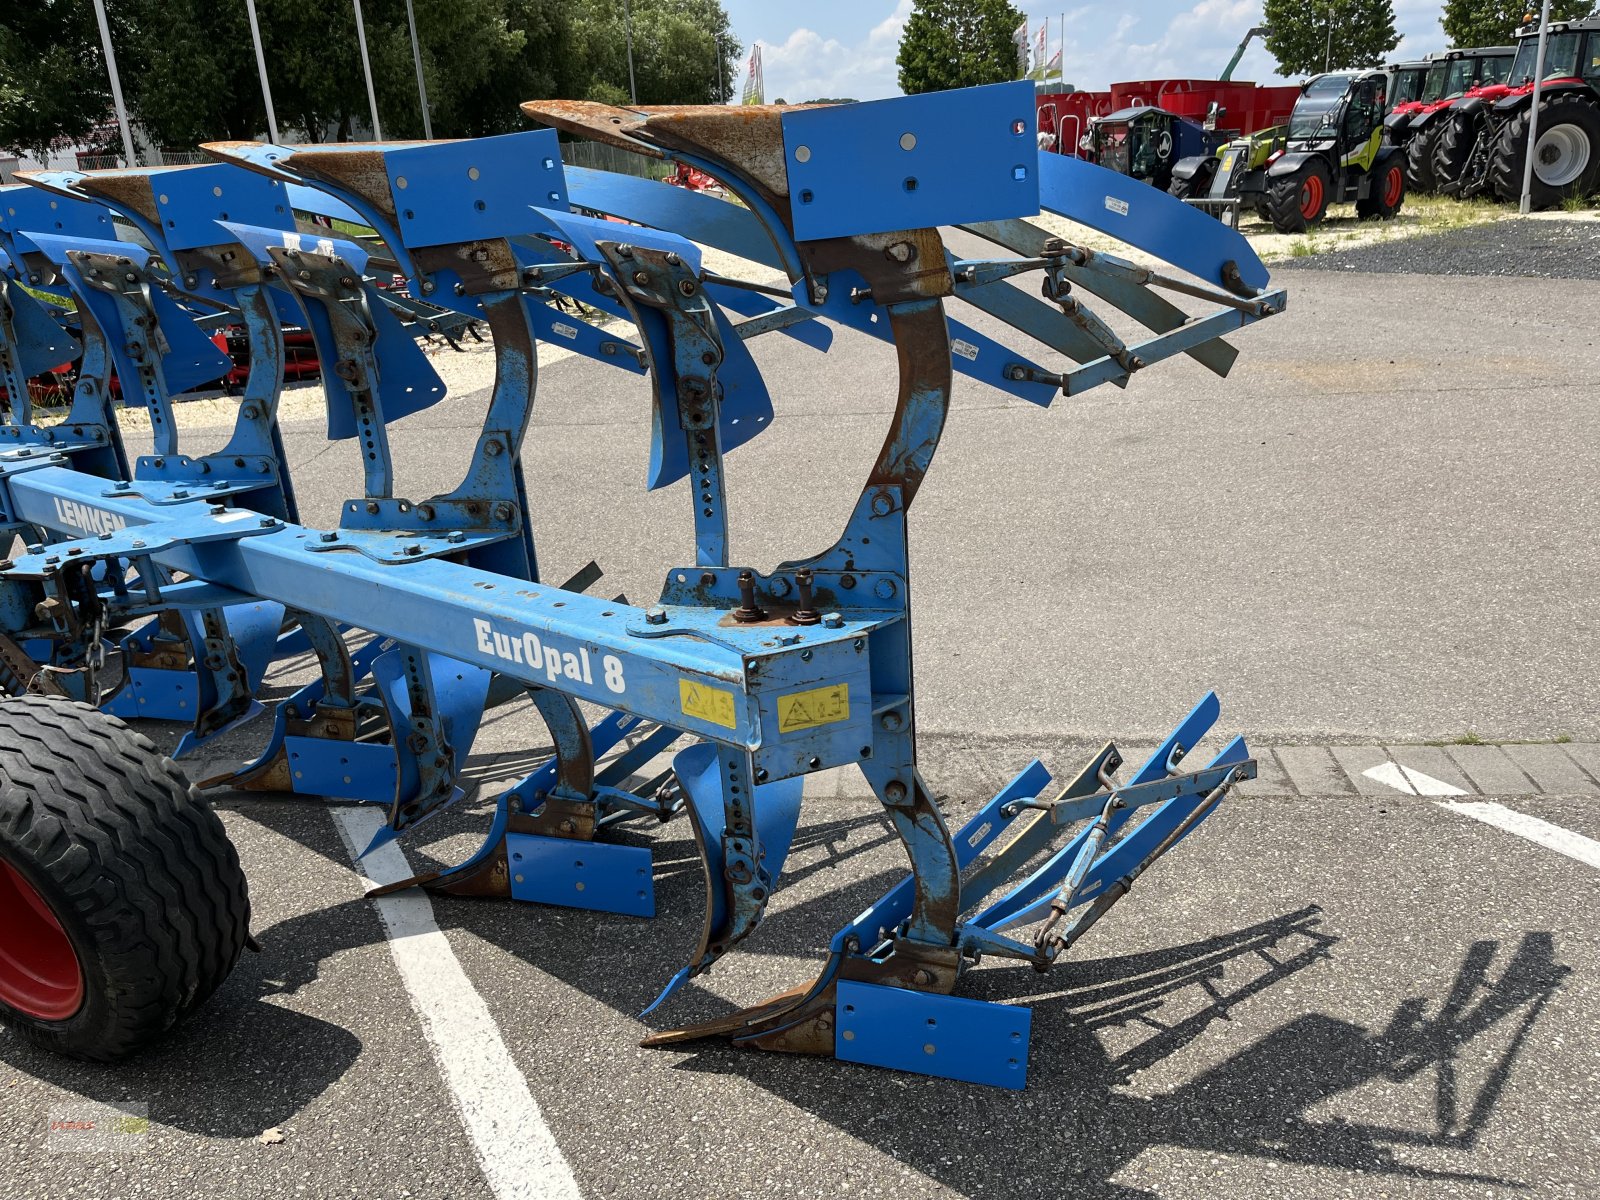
<point>1452,148</point>
<point>1569,116</point>
<point>1419,160</point>
<point>1291,205</point>
<point>1198,185</point>
<point>138,880</point>
<point>1388,192</point>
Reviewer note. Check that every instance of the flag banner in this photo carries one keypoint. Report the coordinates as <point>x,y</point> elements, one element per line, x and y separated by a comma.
<point>1020,37</point>
<point>754,89</point>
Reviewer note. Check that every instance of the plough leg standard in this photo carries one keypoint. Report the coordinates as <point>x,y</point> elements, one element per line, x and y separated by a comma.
<point>761,677</point>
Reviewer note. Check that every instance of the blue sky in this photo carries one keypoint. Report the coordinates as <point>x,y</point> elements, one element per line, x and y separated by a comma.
<point>847,47</point>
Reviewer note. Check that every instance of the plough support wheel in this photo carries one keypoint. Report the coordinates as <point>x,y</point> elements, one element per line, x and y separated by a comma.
<point>122,903</point>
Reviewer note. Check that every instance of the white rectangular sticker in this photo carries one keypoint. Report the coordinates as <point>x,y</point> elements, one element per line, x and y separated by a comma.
<point>1120,207</point>
<point>965,349</point>
<point>566,331</point>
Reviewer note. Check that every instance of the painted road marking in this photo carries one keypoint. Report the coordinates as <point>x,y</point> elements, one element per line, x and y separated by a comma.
<point>1551,837</point>
<point>1412,783</point>
<point>514,1146</point>
<point>1543,833</point>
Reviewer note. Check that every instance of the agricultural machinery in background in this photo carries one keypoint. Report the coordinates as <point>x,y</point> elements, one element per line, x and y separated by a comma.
<point>1414,125</point>
<point>1065,117</point>
<point>1481,146</point>
<point>1145,143</point>
<point>190,574</point>
<point>1331,152</point>
<point>1407,81</point>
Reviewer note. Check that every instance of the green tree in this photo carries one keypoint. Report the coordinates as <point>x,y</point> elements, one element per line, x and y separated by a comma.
<point>958,43</point>
<point>1495,22</point>
<point>53,85</point>
<point>1329,34</point>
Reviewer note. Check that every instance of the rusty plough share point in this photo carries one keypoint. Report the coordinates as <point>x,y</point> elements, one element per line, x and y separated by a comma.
<point>758,678</point>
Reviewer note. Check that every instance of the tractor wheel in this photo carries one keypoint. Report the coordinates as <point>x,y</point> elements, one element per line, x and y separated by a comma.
<point>122,905</point>
<point>1452,152</point>
<point>1419,161</point>
<point>1198,185</point>
<point>1388,193</point>
<point>1566,161</point>
<point>1299,201</point>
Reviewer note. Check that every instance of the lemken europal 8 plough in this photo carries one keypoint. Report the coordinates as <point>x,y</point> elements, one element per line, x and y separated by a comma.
<point>125,906</point>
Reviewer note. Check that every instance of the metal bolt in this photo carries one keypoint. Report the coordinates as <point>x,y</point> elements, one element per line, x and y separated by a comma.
<point>425,511</point>
<point>268,522</point>
<point>503,512</point>
<point>216,510</point>
<point>656,616</point>
<point>890,721</point>
<point>494,449</point>
<point>900,252</point>
<point>75,550</point>
<point>805,613</point>
<point>138,544</point>
<point>251,412</point>
<point>328,536</point>
<point>428,287</point>
<point>411,550</point>
<point>832,621</point>
<point>641,277</point>
<point>105,537</point>
<point>885,589</point>
<point>52,558</point>
<point>372,508</point>
<point>748,611</point>
<point>687,287</point>
<point>895,792</point>
<point>180,494</point>
<point>455,537</point>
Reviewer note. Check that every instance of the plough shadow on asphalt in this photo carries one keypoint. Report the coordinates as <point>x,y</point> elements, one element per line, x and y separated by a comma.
<point>244,1063</point>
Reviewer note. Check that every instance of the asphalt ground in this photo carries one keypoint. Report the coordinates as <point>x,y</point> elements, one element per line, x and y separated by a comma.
<point>1377,532</point>
<point>1542,247</point>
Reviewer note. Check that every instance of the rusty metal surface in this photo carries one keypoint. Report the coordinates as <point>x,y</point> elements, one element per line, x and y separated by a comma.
<point>356,168</point>
<point>597,122</point>
<point>908,264</point>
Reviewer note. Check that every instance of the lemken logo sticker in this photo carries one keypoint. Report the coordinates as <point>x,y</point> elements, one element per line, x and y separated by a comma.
<point>90,520</point>
<point>1120,207</point>
<point>556,664</point>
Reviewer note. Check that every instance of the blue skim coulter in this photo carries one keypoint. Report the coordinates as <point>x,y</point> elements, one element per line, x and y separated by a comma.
<point>715,701</point>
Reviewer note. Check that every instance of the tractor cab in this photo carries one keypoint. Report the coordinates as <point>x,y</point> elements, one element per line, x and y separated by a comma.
<point>1408,81</point>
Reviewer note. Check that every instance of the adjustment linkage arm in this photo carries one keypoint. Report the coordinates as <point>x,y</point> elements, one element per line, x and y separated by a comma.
<point>1120,268</point>
<point>1130,796</point>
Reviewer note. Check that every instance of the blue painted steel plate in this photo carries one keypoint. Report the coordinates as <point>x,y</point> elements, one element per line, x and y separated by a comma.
<point>597,876</point>
<point>42,344</point>
<point>27,209</point>
<point>341,770</point>
<point>193,200</point>
<point>950,1037</point>
<point>914,161</point>
<point>481,188</point>
<point>1136,213</point>
<point>706,219</point>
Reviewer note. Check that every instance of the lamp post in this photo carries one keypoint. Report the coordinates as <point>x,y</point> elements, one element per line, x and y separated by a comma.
<point>261,66</point>
<point>366,67</point>
<point>627,32</point>
<point>1533,114</point>
<point>422,87</point>
<point>116,83</point>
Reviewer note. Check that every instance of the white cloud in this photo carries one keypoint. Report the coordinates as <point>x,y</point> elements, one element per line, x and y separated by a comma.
<point>1104,44</point>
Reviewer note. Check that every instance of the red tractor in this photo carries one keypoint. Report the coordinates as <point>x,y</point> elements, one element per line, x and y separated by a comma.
<point>1483,146</point>
<point>1413,124</point>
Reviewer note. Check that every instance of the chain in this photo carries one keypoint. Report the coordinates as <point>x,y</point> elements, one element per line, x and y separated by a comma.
<point>95,658</point>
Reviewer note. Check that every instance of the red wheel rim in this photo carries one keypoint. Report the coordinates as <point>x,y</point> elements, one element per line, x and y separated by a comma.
<point>1393,187</point>
<point>39,973</point>
<point>1311,196</point>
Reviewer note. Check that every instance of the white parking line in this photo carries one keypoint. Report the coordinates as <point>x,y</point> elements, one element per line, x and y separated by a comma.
<point>1412,783</point>
<point>1551,837</point>
<point>515,1147</point>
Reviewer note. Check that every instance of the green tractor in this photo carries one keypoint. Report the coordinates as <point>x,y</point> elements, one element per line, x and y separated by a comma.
<point>1331,152</point>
